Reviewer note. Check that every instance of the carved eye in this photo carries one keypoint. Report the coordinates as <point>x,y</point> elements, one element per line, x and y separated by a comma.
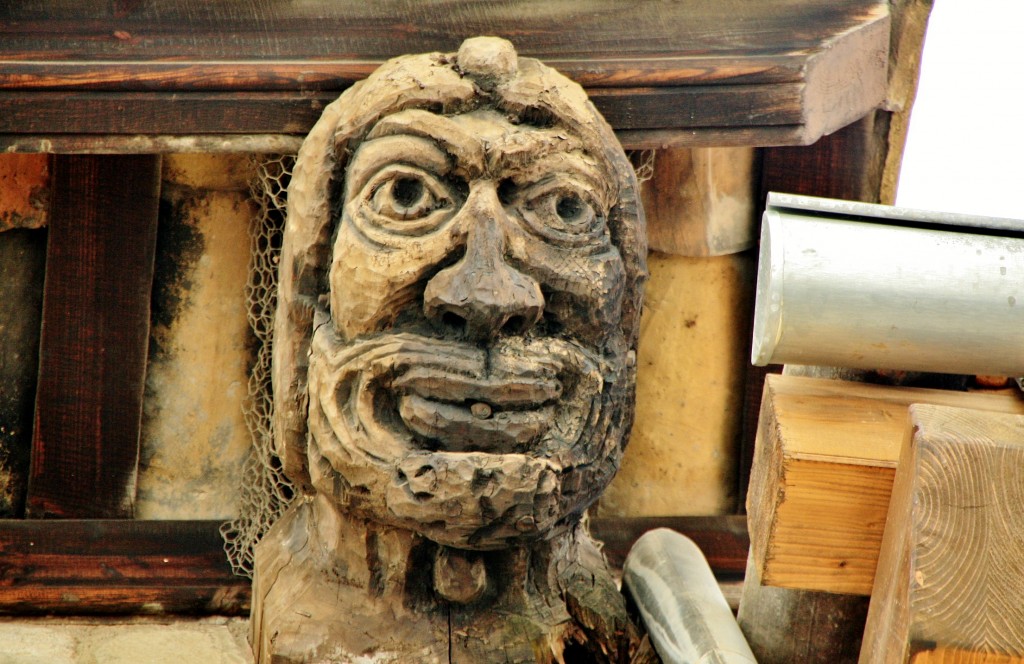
<point>408,197</point>
<point>404,200</point>
<point>563,213</point>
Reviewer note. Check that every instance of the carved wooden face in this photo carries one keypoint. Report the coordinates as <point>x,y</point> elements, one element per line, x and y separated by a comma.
<point>474,380</point>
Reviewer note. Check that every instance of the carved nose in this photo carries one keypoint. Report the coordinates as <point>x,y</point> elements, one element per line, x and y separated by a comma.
<point>482,293</point>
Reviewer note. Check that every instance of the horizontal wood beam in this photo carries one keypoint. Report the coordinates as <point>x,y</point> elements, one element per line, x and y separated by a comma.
<point>117,566</point>
<point>126,566</point>
<point>722,539</point>
<point>823,470</point>
<point>784,72</point>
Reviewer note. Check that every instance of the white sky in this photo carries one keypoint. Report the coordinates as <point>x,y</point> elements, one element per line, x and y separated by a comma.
<point>965,146</point>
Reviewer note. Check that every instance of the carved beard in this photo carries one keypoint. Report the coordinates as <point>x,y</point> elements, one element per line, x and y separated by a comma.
<point>472,447</point>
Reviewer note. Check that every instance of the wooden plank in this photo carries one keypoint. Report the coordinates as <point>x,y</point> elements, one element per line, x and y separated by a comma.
<point>91,112</point>
<point>950,573</point>
<point>778,72</point>
<point>117,566</point>
<point>95,335</point>
<point>823,470</point>
<point>218,45</point>
<point>631,139</point>
<point>722,539</point>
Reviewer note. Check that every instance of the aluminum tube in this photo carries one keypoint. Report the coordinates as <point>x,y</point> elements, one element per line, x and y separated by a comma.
<point>683,608</point>
<point>841,293</point>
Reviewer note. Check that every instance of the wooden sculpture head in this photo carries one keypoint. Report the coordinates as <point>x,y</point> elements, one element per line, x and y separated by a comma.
<point>454,369</point>
<point>462,264</point>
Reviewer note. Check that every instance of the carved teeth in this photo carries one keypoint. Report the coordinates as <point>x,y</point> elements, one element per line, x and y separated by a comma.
<point>480,410</point>
<point>503,392</point>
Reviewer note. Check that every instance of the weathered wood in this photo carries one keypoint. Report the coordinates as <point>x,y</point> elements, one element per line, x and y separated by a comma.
<point>687,617</point>
<point>22,266</point>
<point>950,573</point>
<point>288,112</point>
<point>810,67</point>
<point>454,369</point>
<point>700,202</point>
<point>784,626</point>
<point>95,335</point>
<point>116,566</point>
<point>822,475</point>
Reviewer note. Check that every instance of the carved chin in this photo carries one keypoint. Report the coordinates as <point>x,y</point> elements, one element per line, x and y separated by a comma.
<point>472,447</point>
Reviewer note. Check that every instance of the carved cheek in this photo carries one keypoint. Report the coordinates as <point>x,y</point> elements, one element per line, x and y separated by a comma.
<point>371,285</point>
<point>583,291</point>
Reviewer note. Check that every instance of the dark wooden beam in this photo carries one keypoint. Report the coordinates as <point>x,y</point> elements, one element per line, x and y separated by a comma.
<point>722,539</point>
<point>781,70</point>
<point>117,566</point>
<point>126,566</point>
<point>95,336</point>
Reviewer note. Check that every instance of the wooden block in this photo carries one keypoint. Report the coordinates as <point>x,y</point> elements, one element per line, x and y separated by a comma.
<point>700,202</point>
<point>825,457</point>
<point>951,573</point>
<point>95,335</point>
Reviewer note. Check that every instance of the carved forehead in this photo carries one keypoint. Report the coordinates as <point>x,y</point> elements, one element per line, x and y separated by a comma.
<point>485,142</point>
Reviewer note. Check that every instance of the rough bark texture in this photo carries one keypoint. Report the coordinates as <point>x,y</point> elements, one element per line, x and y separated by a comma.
<point>454,370</point>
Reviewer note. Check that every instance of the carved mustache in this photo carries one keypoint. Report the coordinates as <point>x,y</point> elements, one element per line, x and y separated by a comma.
<point>494,399</point>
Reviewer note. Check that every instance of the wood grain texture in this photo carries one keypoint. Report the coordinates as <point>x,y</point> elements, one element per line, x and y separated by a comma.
<point>95,336</point>
<point>701,201</point>
<point>783,625</point>
<point>822,475</point>
<point>950,573</point>
<point>116,566</point>
<point>810,67</point>
<point>943,655</point>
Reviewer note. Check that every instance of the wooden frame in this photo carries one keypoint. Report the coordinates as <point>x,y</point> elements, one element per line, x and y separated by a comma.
<point>148,77</point>
<point>769,73</point>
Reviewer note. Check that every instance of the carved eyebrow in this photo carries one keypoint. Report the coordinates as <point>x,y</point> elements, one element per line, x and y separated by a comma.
<point>466,148</point>
<point>523,148</point>
<point>573,163</point>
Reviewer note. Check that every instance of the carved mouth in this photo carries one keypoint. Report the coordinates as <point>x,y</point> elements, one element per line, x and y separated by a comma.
<point>458,413</point>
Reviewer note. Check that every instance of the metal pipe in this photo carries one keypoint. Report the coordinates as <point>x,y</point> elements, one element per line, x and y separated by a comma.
<point>686,615</point>
<point>876,287</point>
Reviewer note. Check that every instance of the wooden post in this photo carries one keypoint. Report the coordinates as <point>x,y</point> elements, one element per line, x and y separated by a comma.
<point>95,335</point>
<point>951,575</point>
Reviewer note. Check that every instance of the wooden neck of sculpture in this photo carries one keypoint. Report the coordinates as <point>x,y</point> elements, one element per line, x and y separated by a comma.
<point>390,562</point>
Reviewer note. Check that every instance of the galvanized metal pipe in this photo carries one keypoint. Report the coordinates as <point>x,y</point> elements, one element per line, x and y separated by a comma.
<point>686,615</point>
<point>875,287</point>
